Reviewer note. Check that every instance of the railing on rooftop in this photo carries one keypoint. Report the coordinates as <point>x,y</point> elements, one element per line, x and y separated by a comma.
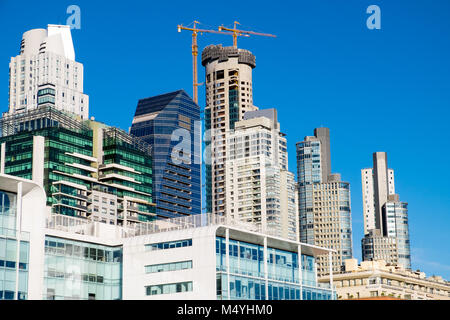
<point>88,226</point>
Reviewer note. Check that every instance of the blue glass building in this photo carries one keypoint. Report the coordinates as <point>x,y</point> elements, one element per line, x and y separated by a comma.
<point>164,121</point>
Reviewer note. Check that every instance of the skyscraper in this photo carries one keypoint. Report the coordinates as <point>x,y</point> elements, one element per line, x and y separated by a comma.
<point>385,216</point>
<point>324,201</point>
<point>162,121</point>
<point>259,188</point>
<point>228,96</point>
<point>46,73</point>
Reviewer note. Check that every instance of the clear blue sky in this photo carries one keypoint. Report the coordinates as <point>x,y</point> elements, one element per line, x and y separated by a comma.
<point>377,90</point>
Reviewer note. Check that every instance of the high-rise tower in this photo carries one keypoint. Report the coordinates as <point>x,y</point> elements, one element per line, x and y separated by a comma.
<point>324,201</point>
<point>45,73</point>
<point>377,184</point>
<point>176,180</point>
<point>228,96</point>
<point>386,231</point>
<point>259,188</point>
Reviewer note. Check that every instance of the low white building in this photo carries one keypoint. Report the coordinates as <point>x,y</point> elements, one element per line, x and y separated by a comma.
<point>189,258</point>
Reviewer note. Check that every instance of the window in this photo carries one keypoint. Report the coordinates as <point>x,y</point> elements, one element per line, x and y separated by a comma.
<point>174,266</point>
<point>168,245</point>
<point>220,75</point>
<point>168,288</point>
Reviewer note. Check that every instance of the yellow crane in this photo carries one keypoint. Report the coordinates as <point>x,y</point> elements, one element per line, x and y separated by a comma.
<point>195,32</point>
<point>237,32</point>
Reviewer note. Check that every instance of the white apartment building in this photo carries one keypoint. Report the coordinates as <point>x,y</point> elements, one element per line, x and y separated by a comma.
<point>259,189</point>
<point>46,73</point>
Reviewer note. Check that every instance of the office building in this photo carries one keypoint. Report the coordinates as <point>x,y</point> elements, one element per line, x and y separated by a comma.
<point>87,169</point>
<point>324,201</point>
<point>386,225</point>
<point>46,73</point>
<point>165,121</point>
<point>377,280</point>
<point>259,188</point>
<point>229,95</point>
<point>186,258</point>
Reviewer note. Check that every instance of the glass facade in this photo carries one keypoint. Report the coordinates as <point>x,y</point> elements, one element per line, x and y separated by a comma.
<point>247,275</point>
<point>177,186</point>
<point>395,224</point>
<point>82,271</point>
<point>308,173</point>
<point>10,264</point>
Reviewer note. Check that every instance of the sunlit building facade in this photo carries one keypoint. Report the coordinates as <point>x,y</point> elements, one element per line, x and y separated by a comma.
<point>324,202</point>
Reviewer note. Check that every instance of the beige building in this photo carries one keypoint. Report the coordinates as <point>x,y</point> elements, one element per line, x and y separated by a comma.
<point>229,95</point>
<point>375,279</point>
<point>332,224</point>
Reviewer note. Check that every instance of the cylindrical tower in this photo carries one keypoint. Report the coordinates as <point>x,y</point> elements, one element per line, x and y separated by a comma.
<point>229,95</point>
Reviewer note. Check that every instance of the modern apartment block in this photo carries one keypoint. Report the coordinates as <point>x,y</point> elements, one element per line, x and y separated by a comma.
<point>87,169</point>
<point>374,280</point>
<point>384,216</point>
<point>46,73</point>
<point>324,201</point>
<point>229,95</point>
<point>165,121</point>
<point>258,186</point>
<point>51,256</point>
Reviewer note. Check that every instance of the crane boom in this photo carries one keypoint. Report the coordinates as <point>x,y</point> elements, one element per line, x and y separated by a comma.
<point>195,32</point>
<point>238,32</point>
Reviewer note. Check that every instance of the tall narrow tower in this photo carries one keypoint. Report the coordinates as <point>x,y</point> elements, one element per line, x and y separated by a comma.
<point>324,201</point>
<point>228,96</point>
<point>386,231</point>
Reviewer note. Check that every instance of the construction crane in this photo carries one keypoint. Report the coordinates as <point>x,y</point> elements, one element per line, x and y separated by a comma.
<point>195,32</point>
<point>237,32</point>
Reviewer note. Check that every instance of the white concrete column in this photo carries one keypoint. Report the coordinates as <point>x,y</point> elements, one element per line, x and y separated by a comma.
<point>38,160</point>
<point>227,257</point>
<point>330,261</point>
<point>266,271</point>
<point>18,235</point>
<point>300,270</point>
<point>2,159</point>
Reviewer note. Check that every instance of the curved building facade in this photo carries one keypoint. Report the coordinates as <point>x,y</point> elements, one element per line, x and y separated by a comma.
<point>229,95</point>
